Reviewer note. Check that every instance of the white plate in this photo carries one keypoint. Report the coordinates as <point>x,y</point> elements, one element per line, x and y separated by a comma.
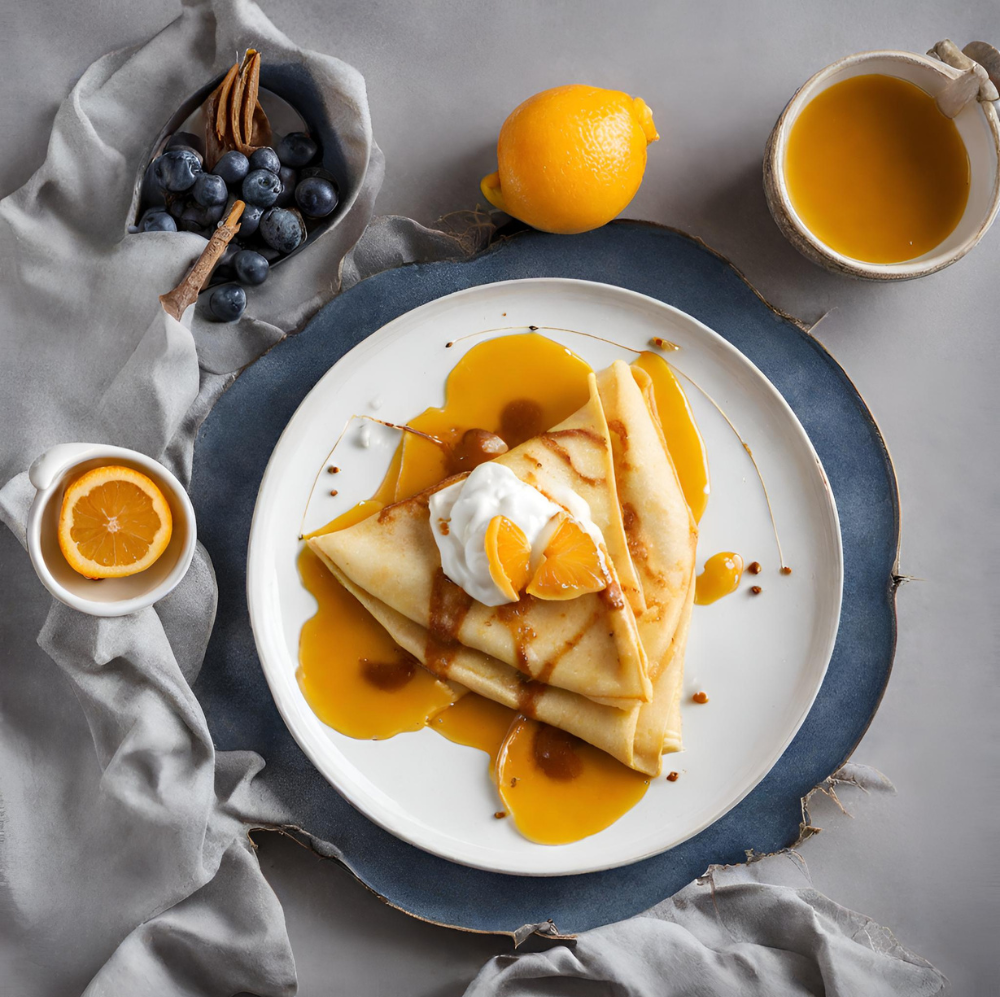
<point>761,659</point>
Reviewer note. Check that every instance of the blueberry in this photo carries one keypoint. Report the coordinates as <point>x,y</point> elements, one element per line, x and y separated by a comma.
<point>232,167</point>
<point>176,206</point>
<point>209,190</point>
<point>265,159</point>
<point>157,220</point>
<point>186,140</point>
<point>315,197</point>
<point>227,302</point>
<point>177,170</point>
<point>283,229</point>
<point>251,268</point>
<point>296,149</point>
<point>196,217</point>
<point>152,193</point>
<point>229,252</point>
<point>261,187</point>
<point>250,219</point>
<point>289,178</point>
<point>188,148</point>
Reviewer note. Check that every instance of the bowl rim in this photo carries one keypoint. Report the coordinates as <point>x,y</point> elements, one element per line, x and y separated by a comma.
<point>778,187</point>
<point>119,607</point>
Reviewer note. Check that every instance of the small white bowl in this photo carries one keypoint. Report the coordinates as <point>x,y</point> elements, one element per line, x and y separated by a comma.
<point>51,474</point>
<point>977,124</point>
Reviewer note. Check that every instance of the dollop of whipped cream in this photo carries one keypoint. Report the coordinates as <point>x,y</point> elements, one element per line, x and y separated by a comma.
<point>461,513</point>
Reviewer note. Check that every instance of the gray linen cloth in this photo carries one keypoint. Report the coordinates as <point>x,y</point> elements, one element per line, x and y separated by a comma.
<point>125,866</point>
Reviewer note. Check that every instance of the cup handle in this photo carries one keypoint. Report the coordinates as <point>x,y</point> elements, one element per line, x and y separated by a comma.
<point>46,469</point>
<point>973,84</point>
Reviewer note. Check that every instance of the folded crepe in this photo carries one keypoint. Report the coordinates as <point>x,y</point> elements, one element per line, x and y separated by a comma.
<point>589,645</point>
<point>614,454</point>
<point>637,736</point>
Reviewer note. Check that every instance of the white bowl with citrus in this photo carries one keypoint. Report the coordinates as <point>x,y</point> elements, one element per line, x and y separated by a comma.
<point>110,530</point>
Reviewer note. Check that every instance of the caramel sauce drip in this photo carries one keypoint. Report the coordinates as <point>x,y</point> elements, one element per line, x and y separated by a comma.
<point>555,753</point>
<point>528,695</point>
<point>633,536</point>
<point>512,615</point>
<point>612,596</point>
<point>449,605</point>
<point>551,442</point>
<point>389,675</point>
<point>520,420</point>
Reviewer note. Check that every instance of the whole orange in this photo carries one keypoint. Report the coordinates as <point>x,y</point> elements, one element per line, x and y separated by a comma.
<point>570,159</point>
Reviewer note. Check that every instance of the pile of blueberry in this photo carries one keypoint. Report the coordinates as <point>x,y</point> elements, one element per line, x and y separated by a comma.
<point>285,197</point>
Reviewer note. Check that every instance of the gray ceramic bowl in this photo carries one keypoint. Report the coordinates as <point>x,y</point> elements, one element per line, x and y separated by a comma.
<point>293,101</point>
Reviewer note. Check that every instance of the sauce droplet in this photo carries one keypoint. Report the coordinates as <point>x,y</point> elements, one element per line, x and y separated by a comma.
<point>664,344</point>
<point>721,577</point>
<point>785,570</point>
<point>755,590</point>
<point>673,776</point>
<point>700,697</point>
<point>474,448</point>
<point>754,567</point>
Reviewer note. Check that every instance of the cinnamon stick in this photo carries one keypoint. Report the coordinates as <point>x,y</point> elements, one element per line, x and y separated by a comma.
<point>175,302</point>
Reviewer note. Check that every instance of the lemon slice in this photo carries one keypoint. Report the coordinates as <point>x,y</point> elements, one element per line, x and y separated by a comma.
<point>114,522</point>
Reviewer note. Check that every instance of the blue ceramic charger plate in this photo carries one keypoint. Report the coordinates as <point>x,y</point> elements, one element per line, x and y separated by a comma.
<point>233,449</point>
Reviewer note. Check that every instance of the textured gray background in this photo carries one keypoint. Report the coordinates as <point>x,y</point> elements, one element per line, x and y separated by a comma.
<point>442,76</point>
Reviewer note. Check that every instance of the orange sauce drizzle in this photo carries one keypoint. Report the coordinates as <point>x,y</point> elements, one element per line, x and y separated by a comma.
<point>515,386</point>
<point>476,722</point>
<point>687,448</point>
<point>720,577</point>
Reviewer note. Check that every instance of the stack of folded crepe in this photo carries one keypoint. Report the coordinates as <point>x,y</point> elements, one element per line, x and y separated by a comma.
<point>606,666</point>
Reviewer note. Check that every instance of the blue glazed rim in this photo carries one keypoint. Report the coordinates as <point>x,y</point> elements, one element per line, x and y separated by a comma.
<point>235,443</point>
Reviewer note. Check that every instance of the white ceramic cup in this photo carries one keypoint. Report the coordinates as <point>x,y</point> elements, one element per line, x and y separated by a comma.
<point>977,124</point>
<point>51,474</point>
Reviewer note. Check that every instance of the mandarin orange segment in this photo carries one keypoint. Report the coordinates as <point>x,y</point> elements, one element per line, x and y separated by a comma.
<point>509,556</point>
<point>114,522</point>
<point>571,565</point>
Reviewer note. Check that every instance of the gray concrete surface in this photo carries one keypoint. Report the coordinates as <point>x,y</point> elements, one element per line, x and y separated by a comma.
<point>442,76</point>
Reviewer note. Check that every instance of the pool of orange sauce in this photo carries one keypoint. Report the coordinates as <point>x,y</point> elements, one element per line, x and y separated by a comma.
<point>557,788</point>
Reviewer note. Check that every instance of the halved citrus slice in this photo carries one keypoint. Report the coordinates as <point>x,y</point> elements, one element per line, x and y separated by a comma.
<point>571,565</point>
<point>114,522</point>
<point>509,556</point>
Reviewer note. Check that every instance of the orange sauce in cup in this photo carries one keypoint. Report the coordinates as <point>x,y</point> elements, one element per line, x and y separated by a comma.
<point>876,171</point>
